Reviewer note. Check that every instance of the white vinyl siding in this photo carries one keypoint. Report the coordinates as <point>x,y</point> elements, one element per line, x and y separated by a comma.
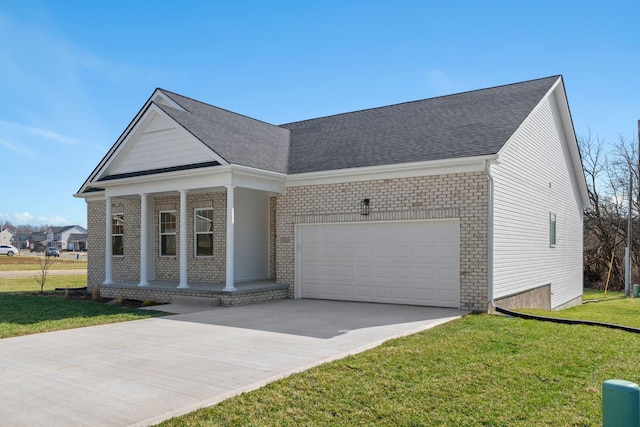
<point>160,145</point>
<point>533,178</point>
<point>251,232</point>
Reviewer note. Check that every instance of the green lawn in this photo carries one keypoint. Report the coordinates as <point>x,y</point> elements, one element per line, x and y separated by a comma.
<point>24,311</point>
<point>481,370</point>
<point>600,309</point>
<point>29,284</point>
<point>30,262</point>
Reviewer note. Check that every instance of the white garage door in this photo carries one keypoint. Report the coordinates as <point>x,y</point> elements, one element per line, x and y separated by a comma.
<point>410,262</point>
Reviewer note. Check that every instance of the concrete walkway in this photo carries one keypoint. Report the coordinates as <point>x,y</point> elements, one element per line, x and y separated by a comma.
<point>146,371</point>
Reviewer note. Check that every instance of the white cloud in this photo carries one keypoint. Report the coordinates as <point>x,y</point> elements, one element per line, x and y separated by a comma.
<point>54,220</point>
<point>18,148</point>
<point>20,130</point>
<point>21,218</point>
<point>54,136</point>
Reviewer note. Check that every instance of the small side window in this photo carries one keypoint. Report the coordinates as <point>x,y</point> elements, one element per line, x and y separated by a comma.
<point>168,233</point>
<point>117,234</point>
<point>552,230</point>
<point>204,232</point>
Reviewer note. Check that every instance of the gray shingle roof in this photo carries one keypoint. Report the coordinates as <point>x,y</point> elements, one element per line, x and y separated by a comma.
<point>462,125</point>
<point>77,237</point>
<point>468,124</point>
<point>237,139</point>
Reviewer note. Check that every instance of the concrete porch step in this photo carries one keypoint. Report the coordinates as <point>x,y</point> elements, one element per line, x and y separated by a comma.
<point>196,301</point>
<point>186,304</point>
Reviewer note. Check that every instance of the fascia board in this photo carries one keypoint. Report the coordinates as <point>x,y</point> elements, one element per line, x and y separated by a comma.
<point>402,170</point>
<point>147,109</point>
<point>107,157</point>
<point>258,179</point>
<point>570,135</point>
<point>216,176</point>
<point>90,197</point>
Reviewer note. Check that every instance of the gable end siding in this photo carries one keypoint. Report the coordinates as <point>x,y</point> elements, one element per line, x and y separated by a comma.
<point>534,178</point>
<point>160,145</point>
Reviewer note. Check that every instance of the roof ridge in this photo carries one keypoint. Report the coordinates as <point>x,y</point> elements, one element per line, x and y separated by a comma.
<point>214,106</point>
<point>419,100</point>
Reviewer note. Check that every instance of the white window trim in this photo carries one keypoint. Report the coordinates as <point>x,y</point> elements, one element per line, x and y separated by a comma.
<point>160,233</point>
<point>196,233</point>
<point>553,230</point>
<point>113,215</point>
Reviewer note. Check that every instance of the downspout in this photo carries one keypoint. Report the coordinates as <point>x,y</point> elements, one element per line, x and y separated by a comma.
<point>487,169</point>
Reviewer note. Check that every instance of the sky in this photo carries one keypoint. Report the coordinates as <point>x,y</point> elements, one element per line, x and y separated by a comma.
<point>73,74</point>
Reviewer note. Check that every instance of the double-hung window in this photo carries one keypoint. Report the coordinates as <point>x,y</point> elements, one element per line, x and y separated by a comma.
<point>203,223</point>
<point>117,234</point>
<point>167,233</point>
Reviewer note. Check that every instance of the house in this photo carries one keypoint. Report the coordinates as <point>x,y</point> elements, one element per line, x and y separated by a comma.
<point>38,241</point>
<point>455,201</point>
<point>6,235</point>
<point>21,240</point>
<point>77,242</point>
<point>67,238</point>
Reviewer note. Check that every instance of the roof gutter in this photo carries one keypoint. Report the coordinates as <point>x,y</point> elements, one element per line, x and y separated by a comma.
<point>395,170</point>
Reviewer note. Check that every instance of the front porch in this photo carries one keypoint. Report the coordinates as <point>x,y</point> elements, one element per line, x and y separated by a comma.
<point>162,291</point>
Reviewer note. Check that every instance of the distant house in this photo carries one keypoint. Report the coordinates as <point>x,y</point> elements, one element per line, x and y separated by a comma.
<point>68,238</point>
<point>21,240</point>
<point>6,234</point>
<point>454,201</point>
<point>77,242</point>
<point>38,241</point>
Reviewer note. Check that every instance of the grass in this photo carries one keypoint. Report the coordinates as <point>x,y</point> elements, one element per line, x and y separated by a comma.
<point>29,285</point>
<point>24,311</point>
<point>30,262</point>
<point>480,370</point>
<point>613,308</point>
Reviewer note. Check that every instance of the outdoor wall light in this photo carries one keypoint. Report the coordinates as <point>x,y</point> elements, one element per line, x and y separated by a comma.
<point>364,207</point>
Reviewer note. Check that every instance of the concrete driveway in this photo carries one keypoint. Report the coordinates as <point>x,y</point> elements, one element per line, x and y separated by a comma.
<point>146,371</point>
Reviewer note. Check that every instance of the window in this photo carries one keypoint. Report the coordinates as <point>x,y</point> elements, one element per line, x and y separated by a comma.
<point>204,232</point>
<point>168,233</point>
<point>117,234</point>
<point>552,230</point>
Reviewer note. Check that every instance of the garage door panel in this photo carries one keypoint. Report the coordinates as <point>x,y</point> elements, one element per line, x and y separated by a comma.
<point>412,262</point>
<point>344,272</point>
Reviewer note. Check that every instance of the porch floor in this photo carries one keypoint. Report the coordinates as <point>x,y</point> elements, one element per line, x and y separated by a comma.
<point>206,289</point>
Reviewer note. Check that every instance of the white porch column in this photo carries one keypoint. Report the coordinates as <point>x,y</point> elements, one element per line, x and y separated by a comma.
<point>183,240</point>
<point>108,247</point>
<point>144,240</point>
<point>230,236</point>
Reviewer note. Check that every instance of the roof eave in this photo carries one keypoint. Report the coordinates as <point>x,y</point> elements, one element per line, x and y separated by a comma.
<point>398,170</point>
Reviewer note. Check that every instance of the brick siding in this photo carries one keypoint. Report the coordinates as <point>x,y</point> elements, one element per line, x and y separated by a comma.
<point>462,196</point>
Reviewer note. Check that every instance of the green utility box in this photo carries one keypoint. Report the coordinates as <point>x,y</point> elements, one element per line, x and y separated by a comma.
<point>620,404</point>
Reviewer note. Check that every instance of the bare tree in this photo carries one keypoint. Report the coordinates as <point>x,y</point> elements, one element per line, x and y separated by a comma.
<point>44,262</point>
<point>608,168</point>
